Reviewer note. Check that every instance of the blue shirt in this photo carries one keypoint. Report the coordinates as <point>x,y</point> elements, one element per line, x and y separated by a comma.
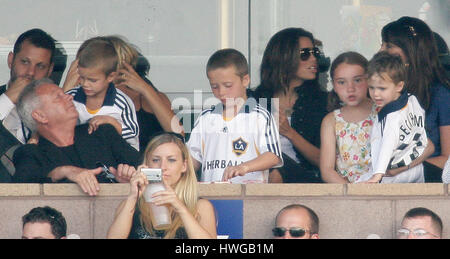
<point>437,115</point>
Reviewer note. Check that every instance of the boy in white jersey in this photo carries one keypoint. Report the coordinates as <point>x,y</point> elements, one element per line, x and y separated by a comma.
<point>97,100</point>
<point>238,139</point>
<point>398,135</point>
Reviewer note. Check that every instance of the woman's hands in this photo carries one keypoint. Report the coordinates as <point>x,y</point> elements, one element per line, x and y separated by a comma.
<point>285,127</point>
<point>72,77</point>
<point>138,182</point>
<point>169,197</point>
<point>128,77</point>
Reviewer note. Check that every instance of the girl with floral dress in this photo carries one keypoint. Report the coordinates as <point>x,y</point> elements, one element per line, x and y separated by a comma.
<point>345,131</point>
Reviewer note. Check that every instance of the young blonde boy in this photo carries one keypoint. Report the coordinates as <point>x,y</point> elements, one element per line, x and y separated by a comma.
<point>96,99</point>
<point>398,136</point>
<point>236,140</point>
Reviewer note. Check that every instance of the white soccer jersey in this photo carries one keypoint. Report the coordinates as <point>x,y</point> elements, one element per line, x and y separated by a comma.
<point>217,143</point>
<point>398,137</point>
<point>116,104</point>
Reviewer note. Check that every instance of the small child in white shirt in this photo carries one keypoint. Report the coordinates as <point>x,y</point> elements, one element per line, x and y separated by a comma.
<point>398,134</point>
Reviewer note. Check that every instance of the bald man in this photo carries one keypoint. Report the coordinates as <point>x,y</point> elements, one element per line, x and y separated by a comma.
<point>296,221</point>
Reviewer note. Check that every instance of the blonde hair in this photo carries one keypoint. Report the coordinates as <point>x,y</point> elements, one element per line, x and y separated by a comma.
<point>185,189</point>
<point>126,52</point>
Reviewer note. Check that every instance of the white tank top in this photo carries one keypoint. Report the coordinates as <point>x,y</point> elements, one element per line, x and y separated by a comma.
<point>287,147</point>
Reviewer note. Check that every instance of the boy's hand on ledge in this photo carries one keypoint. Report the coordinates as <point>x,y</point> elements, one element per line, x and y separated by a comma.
<point>233,171</point>
<point>376,178</point>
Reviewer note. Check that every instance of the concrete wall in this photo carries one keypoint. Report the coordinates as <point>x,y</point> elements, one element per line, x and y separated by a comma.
<point>345,211</point>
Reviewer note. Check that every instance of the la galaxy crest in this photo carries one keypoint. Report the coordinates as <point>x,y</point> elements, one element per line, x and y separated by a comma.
<point>239,146</point>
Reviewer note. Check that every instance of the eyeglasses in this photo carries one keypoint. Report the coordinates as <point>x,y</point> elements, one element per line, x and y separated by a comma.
<point>404,233</point>
<point>294,232</point>
<point>305,53</point>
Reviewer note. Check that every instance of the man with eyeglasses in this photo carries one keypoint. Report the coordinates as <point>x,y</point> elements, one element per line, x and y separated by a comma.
<point>420,223</point>
<point>296,221</point>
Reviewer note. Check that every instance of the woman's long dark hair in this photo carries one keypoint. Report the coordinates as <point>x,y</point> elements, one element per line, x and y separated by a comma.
<point>281,60</point>
<point>416,40</point>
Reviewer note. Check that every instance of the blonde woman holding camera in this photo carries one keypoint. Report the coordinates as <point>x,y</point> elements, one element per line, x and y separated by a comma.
<point>191,217</point>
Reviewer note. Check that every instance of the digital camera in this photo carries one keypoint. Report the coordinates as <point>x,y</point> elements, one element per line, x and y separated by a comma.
<point>153,174</point>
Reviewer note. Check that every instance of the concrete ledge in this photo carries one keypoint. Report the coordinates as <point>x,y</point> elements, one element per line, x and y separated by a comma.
<point>55,189</point>
<point>122,189</point>
<point>233,190</point>
<point>385,204</point>
<point>10,189</point>
<point>410,189</point>
<point>237,190</point>
<point>294,189</point>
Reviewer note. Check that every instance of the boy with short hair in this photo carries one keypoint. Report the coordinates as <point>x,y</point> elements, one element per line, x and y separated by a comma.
<point>97,100</point>
<point>238,139</point>
<point>398,135</point>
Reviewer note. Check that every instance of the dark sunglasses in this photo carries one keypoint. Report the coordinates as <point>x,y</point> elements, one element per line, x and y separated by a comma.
<point>294,232</point>
<point>305,53</point>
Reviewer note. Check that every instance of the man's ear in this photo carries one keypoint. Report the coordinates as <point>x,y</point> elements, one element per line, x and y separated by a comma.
<point>399,87</point>
<point>10,59</point>
<point>39,116</point>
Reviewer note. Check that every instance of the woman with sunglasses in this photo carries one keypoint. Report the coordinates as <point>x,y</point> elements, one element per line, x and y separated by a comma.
<point>289,71</point>
<point>192,217</point>
<point>412,40</point>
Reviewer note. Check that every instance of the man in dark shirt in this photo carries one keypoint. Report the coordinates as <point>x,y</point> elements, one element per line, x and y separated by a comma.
<point>31,58</point>
<point>66,152</point>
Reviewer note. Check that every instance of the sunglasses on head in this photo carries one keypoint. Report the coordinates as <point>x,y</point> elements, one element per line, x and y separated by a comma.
<point>179,136</point>
<point>294,232</point>
<point>305,53</point>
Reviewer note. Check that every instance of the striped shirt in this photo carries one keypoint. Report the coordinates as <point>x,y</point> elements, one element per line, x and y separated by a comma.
<point>217,143</point>
<point>117,105</point>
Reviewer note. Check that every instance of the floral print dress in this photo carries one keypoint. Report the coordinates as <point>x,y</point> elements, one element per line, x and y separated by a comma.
<point>353,145</point>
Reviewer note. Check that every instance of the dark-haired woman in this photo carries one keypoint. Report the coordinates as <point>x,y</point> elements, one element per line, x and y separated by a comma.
<point>413,41</point>
<point>289,73</point>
